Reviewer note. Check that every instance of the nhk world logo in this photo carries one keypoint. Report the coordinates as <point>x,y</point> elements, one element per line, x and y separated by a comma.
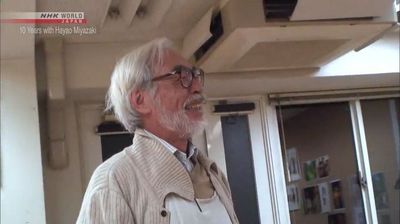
<point>44,17</point>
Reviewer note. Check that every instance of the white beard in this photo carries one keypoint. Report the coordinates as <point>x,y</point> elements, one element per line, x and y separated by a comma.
<point>178,122</point>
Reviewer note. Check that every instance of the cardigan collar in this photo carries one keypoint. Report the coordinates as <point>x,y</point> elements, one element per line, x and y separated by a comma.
<point>162,169</point>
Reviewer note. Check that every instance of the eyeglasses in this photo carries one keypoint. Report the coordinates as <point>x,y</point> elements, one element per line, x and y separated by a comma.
<point>186,75</point>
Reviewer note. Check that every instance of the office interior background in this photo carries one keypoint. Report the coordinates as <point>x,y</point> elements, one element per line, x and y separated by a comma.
<point>303,104</point>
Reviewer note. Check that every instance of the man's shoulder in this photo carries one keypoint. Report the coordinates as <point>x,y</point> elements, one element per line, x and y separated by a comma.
<point>114,173</point>
<point>127,162</point>
<point>117,160</point>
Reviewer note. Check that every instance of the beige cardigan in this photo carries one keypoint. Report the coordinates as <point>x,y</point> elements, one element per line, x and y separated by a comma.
<point>131,186</point>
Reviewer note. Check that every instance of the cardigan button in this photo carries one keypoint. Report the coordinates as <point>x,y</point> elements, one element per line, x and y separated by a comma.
<point>164,213</point>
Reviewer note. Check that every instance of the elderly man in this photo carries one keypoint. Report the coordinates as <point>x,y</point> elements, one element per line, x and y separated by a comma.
<point>162,177</point>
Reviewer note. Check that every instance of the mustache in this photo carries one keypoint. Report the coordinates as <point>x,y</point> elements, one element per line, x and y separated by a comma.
<point>195,99</point>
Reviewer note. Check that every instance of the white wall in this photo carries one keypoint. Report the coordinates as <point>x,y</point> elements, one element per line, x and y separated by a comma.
<point>63,187</point>
<point>22,196</point>
<point>90,65</point>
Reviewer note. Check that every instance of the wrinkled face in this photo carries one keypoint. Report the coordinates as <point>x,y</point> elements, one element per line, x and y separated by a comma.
<point>178,109</point>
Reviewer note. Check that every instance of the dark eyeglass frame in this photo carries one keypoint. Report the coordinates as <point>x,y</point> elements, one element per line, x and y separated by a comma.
<point>184,78</point>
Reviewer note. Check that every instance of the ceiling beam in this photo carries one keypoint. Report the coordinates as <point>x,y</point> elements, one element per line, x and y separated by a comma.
<point>103,7</point>
<point>158,11</point>
<point>128,9</point>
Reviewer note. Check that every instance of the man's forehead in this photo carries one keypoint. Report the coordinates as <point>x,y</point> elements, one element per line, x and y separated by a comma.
<point>170,60</point>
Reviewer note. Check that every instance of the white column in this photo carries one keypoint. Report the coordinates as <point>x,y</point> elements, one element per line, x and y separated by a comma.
<point>22,193</point>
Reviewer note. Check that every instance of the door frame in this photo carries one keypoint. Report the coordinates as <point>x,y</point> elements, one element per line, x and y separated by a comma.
<point>257,126</point>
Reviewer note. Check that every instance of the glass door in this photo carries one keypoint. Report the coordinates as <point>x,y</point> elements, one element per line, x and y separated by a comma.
<point>323,184</point>
<point>381,123</point>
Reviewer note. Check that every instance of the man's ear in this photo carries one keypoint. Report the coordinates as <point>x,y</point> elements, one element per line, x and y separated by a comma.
<point>139,101</point>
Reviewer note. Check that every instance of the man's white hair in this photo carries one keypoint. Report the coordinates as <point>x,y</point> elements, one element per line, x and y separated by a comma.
<point>134,72</point>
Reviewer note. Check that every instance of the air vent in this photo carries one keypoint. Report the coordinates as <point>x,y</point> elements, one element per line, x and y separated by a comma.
<point>305,33</point>
<point>279,9</point>
<point>229,108</point>
<point>216,30</point>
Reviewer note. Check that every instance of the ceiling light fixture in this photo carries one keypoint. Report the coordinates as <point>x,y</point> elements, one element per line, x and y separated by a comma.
<point>141,11</point>
<point>113,12</point>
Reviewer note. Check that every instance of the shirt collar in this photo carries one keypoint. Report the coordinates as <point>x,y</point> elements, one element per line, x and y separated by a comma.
<point>193,151</point>
<point>170,147</point>
<point>158,170</point>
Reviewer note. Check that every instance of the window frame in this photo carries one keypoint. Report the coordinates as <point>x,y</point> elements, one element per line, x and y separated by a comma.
<point>274,153</point>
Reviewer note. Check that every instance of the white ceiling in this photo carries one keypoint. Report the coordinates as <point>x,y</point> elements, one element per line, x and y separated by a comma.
<point>169,18</point>
<point>143,20</point>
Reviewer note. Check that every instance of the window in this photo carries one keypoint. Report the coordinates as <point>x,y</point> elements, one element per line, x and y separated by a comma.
<point>381,122</point>
<point>320,164</point>
<point>339,155</point>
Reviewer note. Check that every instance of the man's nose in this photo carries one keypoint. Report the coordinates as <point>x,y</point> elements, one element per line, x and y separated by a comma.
<point>197,85</point>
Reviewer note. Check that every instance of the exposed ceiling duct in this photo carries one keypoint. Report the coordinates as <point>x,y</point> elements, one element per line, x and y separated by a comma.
<point>308,34</point>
